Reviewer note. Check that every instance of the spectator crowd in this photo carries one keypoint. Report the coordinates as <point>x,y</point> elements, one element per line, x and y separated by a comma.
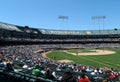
<point>23,58</point>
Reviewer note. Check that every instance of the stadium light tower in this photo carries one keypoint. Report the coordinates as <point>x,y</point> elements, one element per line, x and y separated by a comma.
<point>98,18</point>
<point>100,22</point>
<point>63,18</point>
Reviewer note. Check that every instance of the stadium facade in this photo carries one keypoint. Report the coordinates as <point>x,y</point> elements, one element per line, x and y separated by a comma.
<point>14,34</point>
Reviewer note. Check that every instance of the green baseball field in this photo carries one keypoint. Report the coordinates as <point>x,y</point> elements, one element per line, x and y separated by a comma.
<point>90,57</point>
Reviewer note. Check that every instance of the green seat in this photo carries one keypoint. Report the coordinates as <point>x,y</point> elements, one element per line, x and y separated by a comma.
<point>33,76</point>
<point>27,78</point>
<point>48,80</point>
<point>21,73</point>
<point>17,76</point>
<point>10,73</point>
<point>44,80</point>
<point>27,75</point>
<point>32,80</point>
<point>1,70</point>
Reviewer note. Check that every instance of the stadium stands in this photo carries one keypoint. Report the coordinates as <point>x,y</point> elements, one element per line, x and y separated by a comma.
<point>16,49</point>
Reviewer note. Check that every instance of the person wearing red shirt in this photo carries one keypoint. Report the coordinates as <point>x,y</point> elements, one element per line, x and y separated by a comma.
<point>84,78</point>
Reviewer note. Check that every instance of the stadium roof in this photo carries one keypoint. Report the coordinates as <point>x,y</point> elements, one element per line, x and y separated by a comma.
<point>8,26</point>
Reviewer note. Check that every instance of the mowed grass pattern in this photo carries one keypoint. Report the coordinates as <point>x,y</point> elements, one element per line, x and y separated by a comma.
<point>112,61</point>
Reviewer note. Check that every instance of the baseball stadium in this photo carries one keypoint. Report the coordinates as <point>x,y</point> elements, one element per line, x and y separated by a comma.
<point>30,54</point>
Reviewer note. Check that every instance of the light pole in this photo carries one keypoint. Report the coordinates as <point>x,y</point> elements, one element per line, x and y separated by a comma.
<point>63,18</point>
<point>98,18</point>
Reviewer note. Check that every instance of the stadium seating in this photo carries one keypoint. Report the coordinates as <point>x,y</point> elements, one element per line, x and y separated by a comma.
<point>20,42</point>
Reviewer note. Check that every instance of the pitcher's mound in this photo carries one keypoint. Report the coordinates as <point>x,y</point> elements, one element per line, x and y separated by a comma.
<point>66,61</point>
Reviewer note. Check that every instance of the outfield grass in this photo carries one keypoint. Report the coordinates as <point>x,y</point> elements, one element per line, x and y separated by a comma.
<point>97,61</point>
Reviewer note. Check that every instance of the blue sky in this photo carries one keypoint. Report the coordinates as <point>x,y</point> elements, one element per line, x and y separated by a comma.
<point>44,14</point>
